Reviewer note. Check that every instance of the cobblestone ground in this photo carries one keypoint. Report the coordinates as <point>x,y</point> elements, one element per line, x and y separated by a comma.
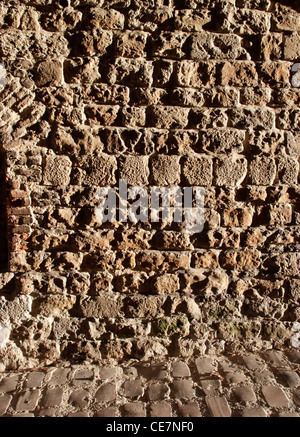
<point>254,385</point>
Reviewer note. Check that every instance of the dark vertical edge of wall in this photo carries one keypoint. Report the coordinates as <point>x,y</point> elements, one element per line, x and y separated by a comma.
<point>3,215</point>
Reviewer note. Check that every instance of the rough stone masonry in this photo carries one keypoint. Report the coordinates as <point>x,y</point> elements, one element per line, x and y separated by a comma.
<point>161,93</point>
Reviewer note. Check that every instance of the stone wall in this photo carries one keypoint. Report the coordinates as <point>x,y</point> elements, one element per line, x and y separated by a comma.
<point>160,93</point>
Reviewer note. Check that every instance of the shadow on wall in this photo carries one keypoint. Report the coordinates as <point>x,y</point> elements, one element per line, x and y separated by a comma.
<point>3,217</point>
<point>292,3</point>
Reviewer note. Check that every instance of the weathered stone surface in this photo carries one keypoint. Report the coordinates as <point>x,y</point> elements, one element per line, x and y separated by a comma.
<point>253,117</point>
<point>57,170</point>
<point>160,93</point>
<point>165,170</point>
<point>195,74</point>
<point>34,379</point>
<point>59,377</point>
<point>181,369</point>
<point>205,366</point>
<point>275,73</point>
<point>100,307</point>
<point>262,171</point>
<point>150,388</point>
<point>52,397</point>
<point>160,410</point>
<point>158,391</point>
<point>166,284</point>
<point>183,389</point>
<point>106,393</point>
<point>8,384</point>
<point>101,18</point>
<point>209,46</point>
<point>170,117</point>
<point>49,73</point>
<point>292,47</point>
<point>28,400</point>
<point>218,141</point>
<point>81,70</point>
<point>288,170</point>
<point>274,396</point>
<point>241,260</point>
<point>96,170</point>
<point>134,409</point>
<point>170,44</point>
<point>244,394</point>
<point>255,96</point>
<point>230,171</point>
<point>238,217</point>
<point>197,170</point>
<point>131,44</point>
<point>131,72</point>
<point>211,386</point>
<point>133,116</point>
<point>290,378</point>
<point>254,412</point>
<point>190,409</point>
<point>252,362</point>
<point>218,406</point>
<point>239,74</point>
<point>107,412</point>
<point>285,19</point>
<point>133,388</point>
<point>102,115</point>
<point>134,170</point>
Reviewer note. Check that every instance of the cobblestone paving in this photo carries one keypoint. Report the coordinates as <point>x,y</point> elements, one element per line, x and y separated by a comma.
<point>254,385</point>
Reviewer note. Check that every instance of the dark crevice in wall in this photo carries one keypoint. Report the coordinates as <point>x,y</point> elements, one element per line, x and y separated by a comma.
<point>3,217</point>
<point>292,3</point>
